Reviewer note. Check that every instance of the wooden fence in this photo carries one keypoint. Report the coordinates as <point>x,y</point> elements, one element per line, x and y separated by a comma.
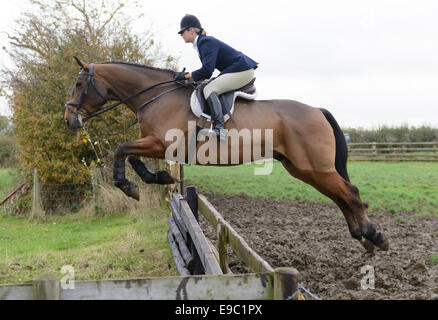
<point>393,151</point>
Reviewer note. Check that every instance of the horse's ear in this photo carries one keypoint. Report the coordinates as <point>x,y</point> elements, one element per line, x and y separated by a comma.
<point>83,65</point>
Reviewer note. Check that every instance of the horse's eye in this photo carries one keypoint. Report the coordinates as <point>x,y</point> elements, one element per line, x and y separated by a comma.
<point>78,85</point>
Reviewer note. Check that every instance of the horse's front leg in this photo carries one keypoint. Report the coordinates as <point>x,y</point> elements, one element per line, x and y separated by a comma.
<point>150,147</point>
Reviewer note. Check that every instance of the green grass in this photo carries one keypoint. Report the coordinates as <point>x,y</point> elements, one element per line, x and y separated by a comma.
<point>117,246</point>
<point>8,180</point>
<point>390,186</point>
<point>434,259</point>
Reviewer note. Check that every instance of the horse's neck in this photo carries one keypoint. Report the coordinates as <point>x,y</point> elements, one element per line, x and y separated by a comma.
<point>126,81</point>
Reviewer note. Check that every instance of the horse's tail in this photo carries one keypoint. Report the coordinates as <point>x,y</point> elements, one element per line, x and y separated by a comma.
<point>341,146</point>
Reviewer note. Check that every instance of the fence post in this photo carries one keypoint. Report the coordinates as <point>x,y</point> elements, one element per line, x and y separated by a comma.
<point>222,248</point>
<point>96,180</point>
<point>403,157</point>
<point>181,178</point>
<point>37,206</point>
<point>286,284</point>
<point>163,189</point>
<point>436,150</point>
<point>374,147</point>
<point>46,287</point>
<point>192,201</point>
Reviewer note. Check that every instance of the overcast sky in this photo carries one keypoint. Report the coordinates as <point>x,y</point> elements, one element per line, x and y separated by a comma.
<point>369,62</point>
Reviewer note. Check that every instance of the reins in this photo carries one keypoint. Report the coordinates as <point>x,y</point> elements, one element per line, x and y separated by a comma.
<point>90,75</point>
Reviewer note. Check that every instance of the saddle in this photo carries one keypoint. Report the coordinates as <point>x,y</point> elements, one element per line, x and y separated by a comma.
<point>200,107</point>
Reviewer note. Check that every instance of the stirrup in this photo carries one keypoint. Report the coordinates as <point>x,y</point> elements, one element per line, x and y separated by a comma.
<point>222,136</point>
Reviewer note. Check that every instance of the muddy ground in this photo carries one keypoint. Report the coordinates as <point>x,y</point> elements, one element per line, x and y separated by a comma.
<point>314,239</point>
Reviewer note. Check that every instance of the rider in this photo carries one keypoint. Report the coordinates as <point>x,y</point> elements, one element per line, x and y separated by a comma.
<point>236,69</point>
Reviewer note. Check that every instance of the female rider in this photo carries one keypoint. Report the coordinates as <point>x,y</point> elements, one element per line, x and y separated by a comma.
<point>236,69</point>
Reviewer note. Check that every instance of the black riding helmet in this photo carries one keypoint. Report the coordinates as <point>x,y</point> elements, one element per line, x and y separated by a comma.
<point>189,21</point>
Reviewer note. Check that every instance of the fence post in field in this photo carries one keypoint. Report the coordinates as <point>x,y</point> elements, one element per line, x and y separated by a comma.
<point>374,147</point>
<point>222,248</point>
<point>163,188</point>
<point>46,287</point>
<point>181,177</point>
<point>37,205</point>
<point>96,180</point>
<point>436,150</point>
<point>286,284</point>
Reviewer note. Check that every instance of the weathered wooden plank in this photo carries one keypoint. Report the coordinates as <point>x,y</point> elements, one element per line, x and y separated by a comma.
<point>236,242</point>
<point>179,261</point>
<point>197,267</point>
<point>192,200</point>
<point>208,260</point>
<point>222,248</point>
<point>46,287</point>
<point>16,292</point>
<point>185,252</point>
<point>174,206</point>
<point>286,284</point>
<point>205,287</point>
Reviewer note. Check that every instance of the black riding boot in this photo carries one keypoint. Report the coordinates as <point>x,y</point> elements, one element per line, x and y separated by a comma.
<point>216,116</point>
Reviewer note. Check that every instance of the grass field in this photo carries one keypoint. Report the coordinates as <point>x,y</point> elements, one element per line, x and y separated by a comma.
<point>390,186</point>
<point>118,246</point>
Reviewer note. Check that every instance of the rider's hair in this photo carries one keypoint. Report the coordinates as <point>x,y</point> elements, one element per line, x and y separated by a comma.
<point>200,31</point>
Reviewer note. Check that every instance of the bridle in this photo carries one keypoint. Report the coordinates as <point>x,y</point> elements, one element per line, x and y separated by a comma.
<point>90,82</point>
<point>80,105</point>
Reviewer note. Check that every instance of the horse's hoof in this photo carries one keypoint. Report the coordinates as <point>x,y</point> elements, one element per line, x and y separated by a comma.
<point>367,244</point>
<point>163,177</point>
<point>129,188</point>
<point>384,243</point>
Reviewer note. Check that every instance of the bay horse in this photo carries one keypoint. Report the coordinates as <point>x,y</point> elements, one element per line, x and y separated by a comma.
<point>306,140</point>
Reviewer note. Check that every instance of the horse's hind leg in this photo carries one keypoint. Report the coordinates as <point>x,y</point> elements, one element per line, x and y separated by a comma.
<point>346,196</point>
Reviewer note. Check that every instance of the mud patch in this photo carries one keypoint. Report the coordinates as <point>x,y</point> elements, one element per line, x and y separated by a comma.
<point>314,239</point>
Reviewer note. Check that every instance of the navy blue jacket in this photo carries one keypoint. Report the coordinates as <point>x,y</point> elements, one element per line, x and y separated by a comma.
<point>216,54</point>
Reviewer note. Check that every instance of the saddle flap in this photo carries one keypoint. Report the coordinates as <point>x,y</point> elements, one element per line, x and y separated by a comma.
<point>200,107</point>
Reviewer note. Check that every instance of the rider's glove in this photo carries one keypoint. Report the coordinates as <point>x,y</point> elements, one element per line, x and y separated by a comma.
<point>179,76</point>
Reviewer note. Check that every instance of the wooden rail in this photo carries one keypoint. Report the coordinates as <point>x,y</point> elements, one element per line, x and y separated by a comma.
<point>393,151</point>
<point>228,236</point>
<point>18,188</point>
<point>278,285</point>
<point>183,214</point>
<point>201,287</point>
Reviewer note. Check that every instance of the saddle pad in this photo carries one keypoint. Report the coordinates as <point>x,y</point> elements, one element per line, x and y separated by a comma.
<point>227,100</point>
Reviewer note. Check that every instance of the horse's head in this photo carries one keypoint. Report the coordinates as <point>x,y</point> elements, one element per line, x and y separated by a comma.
<point>89,94</point>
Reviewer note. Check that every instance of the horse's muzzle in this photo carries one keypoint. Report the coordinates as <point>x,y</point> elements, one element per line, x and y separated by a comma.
<point>74,123</point>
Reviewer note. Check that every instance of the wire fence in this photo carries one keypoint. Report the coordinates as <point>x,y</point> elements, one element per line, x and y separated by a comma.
<point>60,197</point>
<point>66,195</point>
